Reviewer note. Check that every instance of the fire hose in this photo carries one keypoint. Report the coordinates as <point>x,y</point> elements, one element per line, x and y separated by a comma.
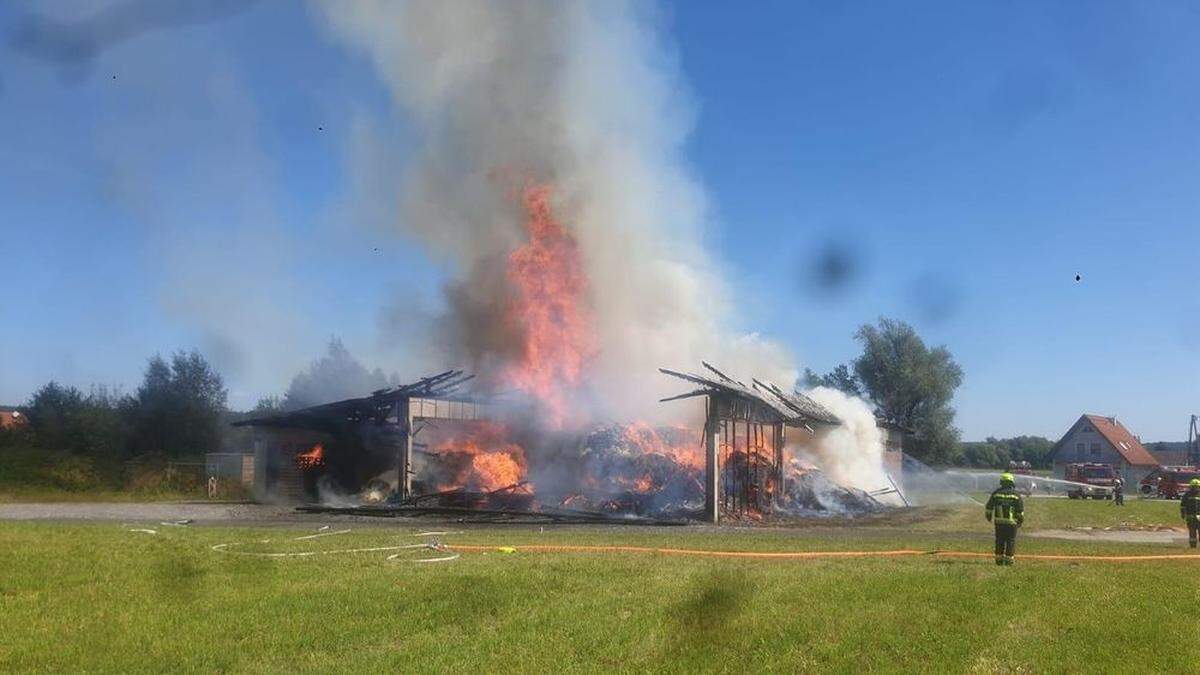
<point>809,555</point>
<point>454,551</point>
<point>401,555</point>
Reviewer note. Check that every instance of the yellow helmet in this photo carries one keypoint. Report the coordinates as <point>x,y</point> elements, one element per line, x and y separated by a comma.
<point>1195,482</point>
<point>1007,479</point>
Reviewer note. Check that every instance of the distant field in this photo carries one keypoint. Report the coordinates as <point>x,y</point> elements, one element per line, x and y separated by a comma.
<point>1061,513</point>
<point>100,597</point>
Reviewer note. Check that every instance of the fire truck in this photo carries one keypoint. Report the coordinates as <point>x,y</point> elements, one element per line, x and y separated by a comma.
<point>1096,480</point>
<point>1022,468</point>
<point>1168,482</point>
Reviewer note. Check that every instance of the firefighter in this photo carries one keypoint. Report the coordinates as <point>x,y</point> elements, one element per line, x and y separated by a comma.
<point>1006,511</point>
<point>1119,492</point>
<point>1189,510</point>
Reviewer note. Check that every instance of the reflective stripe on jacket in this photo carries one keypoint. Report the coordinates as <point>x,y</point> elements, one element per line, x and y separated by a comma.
<point>1006,507</point>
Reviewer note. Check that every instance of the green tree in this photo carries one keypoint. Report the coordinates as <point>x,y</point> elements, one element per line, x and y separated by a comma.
<point>840,378</point>
<point>177,409</point>
<point>909,383</point>
<point>62,418</point>
<point>983,455</point>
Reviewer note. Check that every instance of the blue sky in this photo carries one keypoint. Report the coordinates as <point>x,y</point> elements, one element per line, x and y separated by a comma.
<point>190,187</point>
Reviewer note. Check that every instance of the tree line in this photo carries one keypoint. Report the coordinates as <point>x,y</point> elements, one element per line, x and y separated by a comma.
<point>176,412</point>
<point>996,453</point>
<point>179,410</point>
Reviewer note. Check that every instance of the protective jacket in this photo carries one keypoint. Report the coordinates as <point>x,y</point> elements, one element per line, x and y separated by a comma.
<point>1005,507</point>
<point>1189,504</point>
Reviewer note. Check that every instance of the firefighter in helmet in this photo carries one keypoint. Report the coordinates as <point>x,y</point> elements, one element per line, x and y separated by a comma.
<point>1189,510</point>
<point>1006,511</point>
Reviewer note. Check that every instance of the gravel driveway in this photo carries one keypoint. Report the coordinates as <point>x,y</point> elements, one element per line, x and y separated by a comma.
<point>153,511</point>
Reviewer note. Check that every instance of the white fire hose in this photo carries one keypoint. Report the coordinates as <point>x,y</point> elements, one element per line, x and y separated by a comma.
<point>403,550</point>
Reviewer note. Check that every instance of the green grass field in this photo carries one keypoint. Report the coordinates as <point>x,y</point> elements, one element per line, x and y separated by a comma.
<point>98,597</point>
<point>1061,513</point>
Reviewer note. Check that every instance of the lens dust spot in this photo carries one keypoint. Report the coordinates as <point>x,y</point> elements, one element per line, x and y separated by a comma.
<point>179,575</point>
<point>713,602</point>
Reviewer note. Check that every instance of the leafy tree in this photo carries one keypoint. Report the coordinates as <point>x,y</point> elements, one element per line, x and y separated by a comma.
<point>983,455</point>
<point>840,378</point>
<point>335,376</point>
<point>62,418</point>
<point>177,409</point>
<point>909,384</point>
<point>50,412</point>
<point>996,453</point>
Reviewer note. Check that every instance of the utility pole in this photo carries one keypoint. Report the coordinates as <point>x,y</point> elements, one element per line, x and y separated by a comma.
<point>1194,442</point>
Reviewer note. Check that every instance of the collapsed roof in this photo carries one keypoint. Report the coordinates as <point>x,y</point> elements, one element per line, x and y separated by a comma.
<point>791,408</point>
<point>331,416</point>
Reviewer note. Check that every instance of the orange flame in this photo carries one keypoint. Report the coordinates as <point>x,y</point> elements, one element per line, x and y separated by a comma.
<point>550,309</point>
<point>312,459</point>
<point>686,450</point>
<point>494,461</point>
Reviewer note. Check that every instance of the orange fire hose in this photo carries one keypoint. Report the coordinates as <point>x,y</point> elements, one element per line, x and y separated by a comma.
<point>807,555</point>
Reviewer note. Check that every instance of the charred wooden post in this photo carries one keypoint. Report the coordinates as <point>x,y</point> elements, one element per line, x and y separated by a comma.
<point>712,468</point>
<point>779,441</point>
<point>404,455</point>
<point>743,476</point>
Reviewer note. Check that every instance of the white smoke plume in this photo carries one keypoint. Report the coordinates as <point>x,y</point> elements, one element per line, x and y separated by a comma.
<point>585,97</point>
<point>852,454</point>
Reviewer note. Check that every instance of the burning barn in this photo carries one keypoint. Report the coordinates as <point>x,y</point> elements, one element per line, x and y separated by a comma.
<point>753,436</point>
<point>428,446</point>
<point>360,450</point>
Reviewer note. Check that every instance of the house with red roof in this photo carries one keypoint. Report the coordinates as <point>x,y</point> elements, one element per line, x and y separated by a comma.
<point>1103,440</point>
<point>10,416</point>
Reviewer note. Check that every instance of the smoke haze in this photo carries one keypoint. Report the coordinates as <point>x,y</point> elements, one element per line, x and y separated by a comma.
<point>852,454</point>
<point>586,98</point>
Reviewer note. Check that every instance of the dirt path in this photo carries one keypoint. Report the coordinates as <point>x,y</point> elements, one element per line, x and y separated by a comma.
<point>1122,536</point>
<point>152,511</point>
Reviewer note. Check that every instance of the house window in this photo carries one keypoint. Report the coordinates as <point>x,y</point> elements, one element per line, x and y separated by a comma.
<point>1095,448</point>
<point>1079,448</point>
<point>1087,428</point>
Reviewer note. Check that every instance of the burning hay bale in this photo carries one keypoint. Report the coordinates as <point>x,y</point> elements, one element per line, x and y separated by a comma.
<point>811,492</point>
<point>638,469</point>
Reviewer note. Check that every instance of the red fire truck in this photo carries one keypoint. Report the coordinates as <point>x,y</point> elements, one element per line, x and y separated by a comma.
<point>1168,482</point>
<point>1096,480</point>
